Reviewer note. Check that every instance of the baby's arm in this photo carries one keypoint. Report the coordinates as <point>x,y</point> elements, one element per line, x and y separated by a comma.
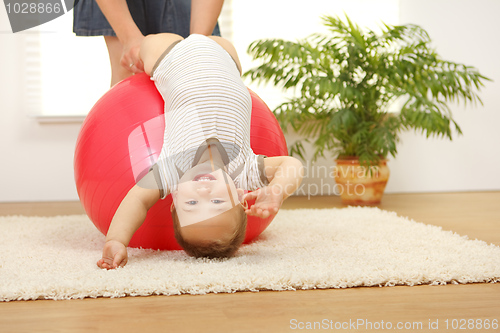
<point>128,218</point>
<point>285,175</point>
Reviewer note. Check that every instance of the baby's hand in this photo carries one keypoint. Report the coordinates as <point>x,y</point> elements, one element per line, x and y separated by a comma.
<point>268,201</point>
<point>114,255</point>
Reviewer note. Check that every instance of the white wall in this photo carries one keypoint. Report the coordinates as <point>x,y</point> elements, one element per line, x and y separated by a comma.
<point>36,160</point>
<point>463,31</point>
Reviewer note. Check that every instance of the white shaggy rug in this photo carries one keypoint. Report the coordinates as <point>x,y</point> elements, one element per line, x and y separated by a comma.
<point>55,258</point>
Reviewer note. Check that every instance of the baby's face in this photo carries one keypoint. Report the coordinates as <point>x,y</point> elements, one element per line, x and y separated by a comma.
<point>203,194</point>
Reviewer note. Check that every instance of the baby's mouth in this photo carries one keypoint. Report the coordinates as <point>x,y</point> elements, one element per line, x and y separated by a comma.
<point>206,177</point>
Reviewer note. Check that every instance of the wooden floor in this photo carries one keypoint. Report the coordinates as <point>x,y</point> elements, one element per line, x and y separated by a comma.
<point>398,309</point>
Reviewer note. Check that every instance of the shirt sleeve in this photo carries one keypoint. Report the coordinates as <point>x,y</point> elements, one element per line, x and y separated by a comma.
<point>152,180</point>
<point>253,175</point>
<point>162,185</point>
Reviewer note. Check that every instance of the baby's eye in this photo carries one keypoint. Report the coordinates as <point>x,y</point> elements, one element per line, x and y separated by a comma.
<point>192,202</point>
<point>217,201</point>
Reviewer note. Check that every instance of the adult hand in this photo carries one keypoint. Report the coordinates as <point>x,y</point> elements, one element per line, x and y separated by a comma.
<point>131,59</point>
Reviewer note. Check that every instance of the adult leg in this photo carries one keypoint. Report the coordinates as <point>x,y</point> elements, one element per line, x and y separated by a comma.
<point>115,49</point>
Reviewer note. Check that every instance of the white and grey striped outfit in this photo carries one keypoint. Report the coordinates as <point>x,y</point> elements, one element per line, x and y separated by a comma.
<point>205,98</point>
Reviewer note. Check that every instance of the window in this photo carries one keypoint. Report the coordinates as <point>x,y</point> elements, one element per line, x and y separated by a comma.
<point>64,74</point>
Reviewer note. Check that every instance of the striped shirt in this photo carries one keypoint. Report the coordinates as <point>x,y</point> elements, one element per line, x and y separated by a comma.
<point>205,98</point>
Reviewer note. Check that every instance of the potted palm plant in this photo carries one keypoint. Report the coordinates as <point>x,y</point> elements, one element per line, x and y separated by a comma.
<point>347,81</point>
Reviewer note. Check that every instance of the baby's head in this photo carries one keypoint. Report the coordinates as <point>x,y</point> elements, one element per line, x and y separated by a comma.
<point>208,219</point>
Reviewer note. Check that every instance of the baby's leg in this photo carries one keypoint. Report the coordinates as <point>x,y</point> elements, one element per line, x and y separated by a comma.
<point>153,47</point>
<point>229,48</point>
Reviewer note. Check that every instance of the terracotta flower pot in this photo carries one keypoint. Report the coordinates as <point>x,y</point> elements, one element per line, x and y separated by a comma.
<point>357,185</point>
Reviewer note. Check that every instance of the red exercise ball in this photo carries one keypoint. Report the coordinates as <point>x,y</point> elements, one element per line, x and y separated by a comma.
<point>123,135</point>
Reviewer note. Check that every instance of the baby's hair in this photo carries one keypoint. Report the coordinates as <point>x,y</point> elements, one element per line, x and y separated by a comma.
<point>215,248</point>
